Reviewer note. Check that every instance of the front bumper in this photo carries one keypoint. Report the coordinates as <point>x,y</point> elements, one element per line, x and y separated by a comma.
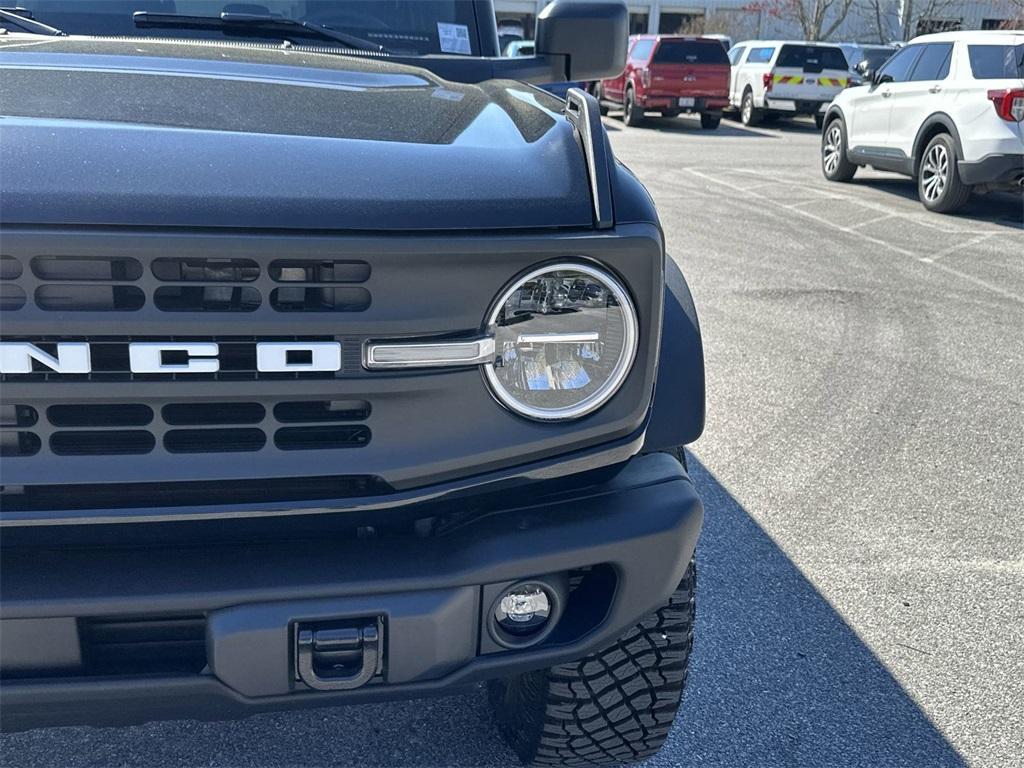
<point>993,169</point>
<point>624,544</point>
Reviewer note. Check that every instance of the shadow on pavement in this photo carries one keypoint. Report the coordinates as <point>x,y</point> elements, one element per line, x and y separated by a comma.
<point>777,678</point>
<point>1003,208</point>
<point>687,124</point>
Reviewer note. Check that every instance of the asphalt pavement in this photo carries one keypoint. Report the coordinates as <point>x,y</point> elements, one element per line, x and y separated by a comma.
<point>861,598</point>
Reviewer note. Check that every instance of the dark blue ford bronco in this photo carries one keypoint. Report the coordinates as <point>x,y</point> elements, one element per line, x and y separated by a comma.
<point>339,364</point>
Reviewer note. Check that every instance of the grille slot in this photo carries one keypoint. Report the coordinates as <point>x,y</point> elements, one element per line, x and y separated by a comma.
<point>18,415</point>
<point>214,440</point>
<point>217,298</point>
<point>19,443</point>
<point>10,268</point>
<point>189,414</point>
<point>322,410</point>
<point>11,297</point>
<point>320,299</point>
<point>100,415</point>
<point>321,438</point>
<point>120,646</point>
<point>317,271</point>
<point>86,268</point>
<point>90,298</point>
<point>206,270</point>
<point>119,442</point>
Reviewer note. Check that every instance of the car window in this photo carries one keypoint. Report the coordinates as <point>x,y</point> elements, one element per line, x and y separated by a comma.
<point>811,58</point>
<point>875,57</point>
<point>642,50</point>
<point>735,55</point>
<point>933,63</point>
<point>690,52</point>
<point>898,67</point>
<point>996,62</point>
<point>760,55</point>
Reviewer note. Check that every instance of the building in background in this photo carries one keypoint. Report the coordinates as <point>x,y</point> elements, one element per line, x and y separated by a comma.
<point>865,20</point>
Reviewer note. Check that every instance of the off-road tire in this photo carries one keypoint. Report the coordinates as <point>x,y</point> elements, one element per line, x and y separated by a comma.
<point>749,114</point>
<point>632,115</point>
<point>613,707</point>
<point>709,122</point>
<point>834,164</point>
<point>952,194</point>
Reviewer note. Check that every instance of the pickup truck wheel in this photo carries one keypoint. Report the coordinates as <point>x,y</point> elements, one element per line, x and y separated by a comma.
<point>613,707</point>
<point>749,114</point>
<point>938,179</point>
<point>834,164</point>
<point>709,122</point>
<point>633,114</point>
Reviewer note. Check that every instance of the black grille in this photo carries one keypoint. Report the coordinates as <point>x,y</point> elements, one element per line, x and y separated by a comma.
<point>187,284</point>
<point>224,426</point>
<point>122,646</point>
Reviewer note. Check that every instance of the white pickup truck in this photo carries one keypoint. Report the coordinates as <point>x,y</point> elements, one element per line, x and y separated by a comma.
<point>780,77</point>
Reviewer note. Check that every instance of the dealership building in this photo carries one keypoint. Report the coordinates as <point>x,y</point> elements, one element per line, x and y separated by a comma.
<point>741,19</point>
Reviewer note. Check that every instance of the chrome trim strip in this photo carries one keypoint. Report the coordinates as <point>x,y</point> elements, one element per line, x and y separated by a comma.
<point>588,337</point>
<point>427,354</point>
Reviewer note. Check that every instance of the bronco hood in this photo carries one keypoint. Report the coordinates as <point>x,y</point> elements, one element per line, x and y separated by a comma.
<point>209,134</point>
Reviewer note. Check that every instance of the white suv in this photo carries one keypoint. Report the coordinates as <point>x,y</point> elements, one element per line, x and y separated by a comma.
<point>771,78</point>
<point>946,109</point>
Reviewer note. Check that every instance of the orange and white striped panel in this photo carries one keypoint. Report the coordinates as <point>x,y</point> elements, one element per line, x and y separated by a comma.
<point>836,82</point>
<point>787,79</point>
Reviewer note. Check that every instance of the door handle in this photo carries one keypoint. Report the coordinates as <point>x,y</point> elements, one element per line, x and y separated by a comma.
<point>935,89</point>
<point>886,94</point>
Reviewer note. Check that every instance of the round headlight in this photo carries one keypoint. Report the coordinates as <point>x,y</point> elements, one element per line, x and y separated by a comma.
<point>565,337</point>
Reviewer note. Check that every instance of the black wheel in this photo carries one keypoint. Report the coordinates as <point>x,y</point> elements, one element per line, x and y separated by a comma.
<point>613,707</point>
<point>599,96</point>
<point>819,120</point>
<point>938,179</point>
<point>709,122</point>
<point>633,114</point>
<point>834,164</point>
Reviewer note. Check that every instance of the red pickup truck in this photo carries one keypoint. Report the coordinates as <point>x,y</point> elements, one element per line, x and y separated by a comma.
<point>670,74</point>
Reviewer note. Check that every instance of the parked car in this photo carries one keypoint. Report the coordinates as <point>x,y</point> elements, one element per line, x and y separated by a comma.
<point>670,74</point>
<point>947,110</point>
<point>331,376</point>
<point>527,48</point>
<point>785,78</point>
<point>725,40</point>
<point>874,55</point>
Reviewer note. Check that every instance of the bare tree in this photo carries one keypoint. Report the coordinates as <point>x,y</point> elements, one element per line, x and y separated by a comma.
<point>904,19</point>
<point>817,19</point>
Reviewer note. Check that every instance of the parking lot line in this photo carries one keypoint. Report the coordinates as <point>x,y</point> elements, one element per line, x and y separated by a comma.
<point>954,248</point>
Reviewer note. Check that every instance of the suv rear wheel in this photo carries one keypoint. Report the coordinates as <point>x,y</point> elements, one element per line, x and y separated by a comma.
<point>613,707</point>
<point>633,114</point>
<point>834,164</point>
<point>749,114</point>
<point>938,179</point>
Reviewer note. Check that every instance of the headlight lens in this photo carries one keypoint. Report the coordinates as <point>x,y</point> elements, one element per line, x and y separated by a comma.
<point>565,338</point>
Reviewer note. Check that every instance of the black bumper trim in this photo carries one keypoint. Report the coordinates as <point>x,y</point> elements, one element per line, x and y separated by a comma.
<point>992,169</point>
<point>644,524</point>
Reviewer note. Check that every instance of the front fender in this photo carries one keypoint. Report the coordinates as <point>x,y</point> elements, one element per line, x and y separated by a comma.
<point>677,410</point>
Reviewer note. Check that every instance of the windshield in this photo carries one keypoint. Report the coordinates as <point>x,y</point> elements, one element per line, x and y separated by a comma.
<point>404,27</point>
<point>690,52</point>
<point>811,58</point>
<point>875,57</point>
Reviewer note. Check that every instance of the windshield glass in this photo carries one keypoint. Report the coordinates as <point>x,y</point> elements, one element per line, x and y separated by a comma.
<point>811,58</point>
<point>406,27</point>
<point>690,52</point>
<point>875,57</point>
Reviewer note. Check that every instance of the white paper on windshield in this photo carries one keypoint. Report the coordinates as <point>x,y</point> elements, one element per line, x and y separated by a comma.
<point>454,38</point>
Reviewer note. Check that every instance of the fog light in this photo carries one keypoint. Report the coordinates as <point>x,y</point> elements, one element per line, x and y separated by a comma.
<point>523,610</point>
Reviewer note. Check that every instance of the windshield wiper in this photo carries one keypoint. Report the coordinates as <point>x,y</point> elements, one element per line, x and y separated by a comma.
<point>252,21</point>
<point>22,17</point>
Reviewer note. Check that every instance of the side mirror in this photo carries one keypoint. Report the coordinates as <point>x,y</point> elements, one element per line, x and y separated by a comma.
<point>592,36</point>
<point>864,69</point>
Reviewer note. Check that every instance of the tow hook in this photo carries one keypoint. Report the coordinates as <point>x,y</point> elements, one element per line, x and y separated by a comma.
<point>339,656</point>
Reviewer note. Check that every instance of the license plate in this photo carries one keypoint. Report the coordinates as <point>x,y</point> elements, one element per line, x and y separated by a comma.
<point>686,101</point>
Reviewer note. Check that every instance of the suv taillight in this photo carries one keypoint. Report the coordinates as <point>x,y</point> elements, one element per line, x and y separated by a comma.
<point>1009,103</point>
<point>766,80</point>
<point>645,78</point>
